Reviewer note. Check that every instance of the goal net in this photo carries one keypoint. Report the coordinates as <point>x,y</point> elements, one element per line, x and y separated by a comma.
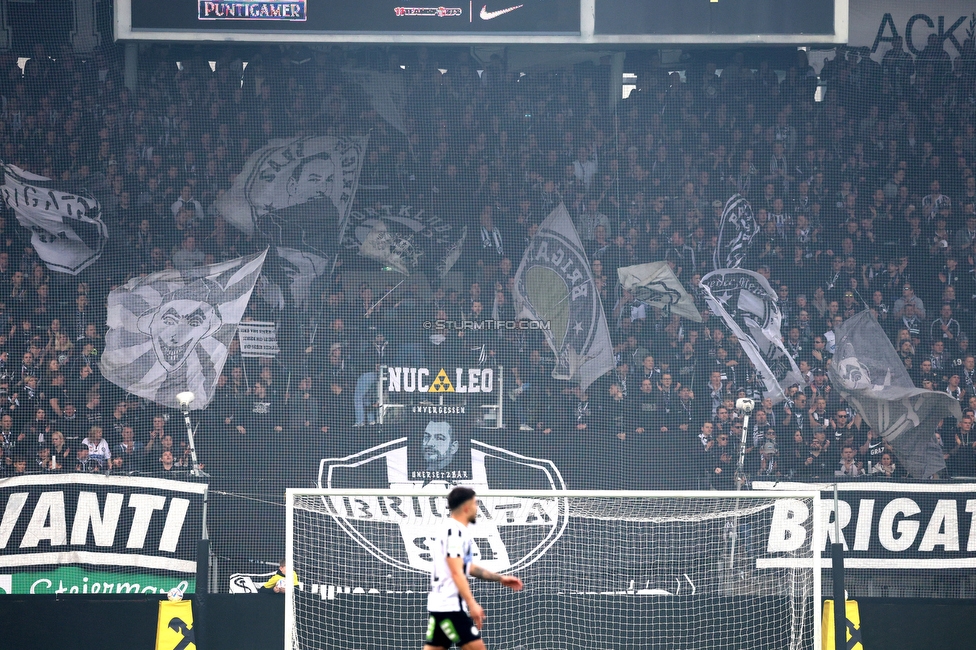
<point>698,571</point>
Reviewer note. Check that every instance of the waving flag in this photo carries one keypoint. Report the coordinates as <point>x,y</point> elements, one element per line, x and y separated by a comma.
<point>66,228</point>
<point>169,331</point>
<point>298,193</point>
<point>870,375</point>
<point>750,308</point>
<point>554,285</point>
<point>452,254</point>
<point>735,233</point>
<point>655,284</point>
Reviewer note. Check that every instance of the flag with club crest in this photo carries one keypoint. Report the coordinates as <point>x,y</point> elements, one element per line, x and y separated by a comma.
<point>750,308</point>
<point>655,284</point>
<point>870,375</point>
<point>298,193</point>
<point>555,286</point>
<point>169,332</point>
<point>735,233</point>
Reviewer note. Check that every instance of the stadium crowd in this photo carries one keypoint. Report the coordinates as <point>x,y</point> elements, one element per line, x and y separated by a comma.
<point>865,201</point>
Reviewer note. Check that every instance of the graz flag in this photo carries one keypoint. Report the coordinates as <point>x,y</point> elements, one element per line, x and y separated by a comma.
<point>735,233</point>
<point>169,331</point>
<point>554,285</point>
<point>655,284</point>
<point>749,307</point>
<point>66,228</point>
<point>871,376</point>
<point>297,191</point>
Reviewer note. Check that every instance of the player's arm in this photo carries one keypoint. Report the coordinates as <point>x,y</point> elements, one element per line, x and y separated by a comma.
<point>456,567</point>
<point>511,582</point>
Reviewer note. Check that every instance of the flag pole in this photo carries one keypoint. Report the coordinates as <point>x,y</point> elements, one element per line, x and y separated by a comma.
<point>376,304</point>
<point>837,576</point>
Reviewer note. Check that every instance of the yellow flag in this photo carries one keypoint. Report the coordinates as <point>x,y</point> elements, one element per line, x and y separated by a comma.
<point>174,631</point>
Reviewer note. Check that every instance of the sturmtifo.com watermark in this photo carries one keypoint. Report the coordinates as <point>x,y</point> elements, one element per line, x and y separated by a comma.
<point>490,325</point>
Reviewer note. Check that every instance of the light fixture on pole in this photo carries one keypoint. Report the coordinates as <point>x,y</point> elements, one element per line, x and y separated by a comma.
<point>184,399</point>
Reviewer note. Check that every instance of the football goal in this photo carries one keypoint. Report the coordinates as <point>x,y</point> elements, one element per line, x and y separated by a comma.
<point>688,570</point>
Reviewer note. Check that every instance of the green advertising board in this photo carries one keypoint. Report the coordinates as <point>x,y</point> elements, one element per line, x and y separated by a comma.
<point>78,580</point>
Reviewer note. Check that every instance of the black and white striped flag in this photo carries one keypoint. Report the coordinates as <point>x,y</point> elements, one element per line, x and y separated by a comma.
<point>169,332</point>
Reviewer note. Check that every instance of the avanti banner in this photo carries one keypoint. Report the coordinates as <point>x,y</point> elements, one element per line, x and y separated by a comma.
<point>115,533</point>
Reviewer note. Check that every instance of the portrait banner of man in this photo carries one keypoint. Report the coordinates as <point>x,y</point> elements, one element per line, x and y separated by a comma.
<point>297,191</point>
<point>169,332</point>
<point>438,450</point>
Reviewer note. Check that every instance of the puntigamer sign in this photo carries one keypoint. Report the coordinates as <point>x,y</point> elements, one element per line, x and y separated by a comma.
<point>135,525</point>
<point>882,526</point>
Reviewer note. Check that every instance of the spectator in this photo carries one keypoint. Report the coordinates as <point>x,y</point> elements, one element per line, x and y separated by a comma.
<point>816,464</point>
<point>908,297</point>
<point>849,466</point>
<point>945,327</point>
<point>129,454</point>
<point>721,465</point>
<point>188,256</point>
<point>167,463</point>
<point>98,449</point>
<point>262,417</point>
<point>61,454</point>
<point>886,468</point>
<point>378,353</point>
<point>84,463</point>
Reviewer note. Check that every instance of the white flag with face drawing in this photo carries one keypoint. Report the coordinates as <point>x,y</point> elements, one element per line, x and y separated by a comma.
<point>169,332</point>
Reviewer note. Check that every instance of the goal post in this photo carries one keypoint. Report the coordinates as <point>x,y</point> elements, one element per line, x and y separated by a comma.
<point>683,570</point>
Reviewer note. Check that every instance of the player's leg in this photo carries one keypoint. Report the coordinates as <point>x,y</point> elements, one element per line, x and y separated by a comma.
<point>460,629</point>
<point>434,637</point>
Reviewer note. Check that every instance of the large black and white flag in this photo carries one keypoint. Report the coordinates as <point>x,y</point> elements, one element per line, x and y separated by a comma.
<point>169,332</point>
<point>554,286</point>
<point>405,238</point>
<point>735,233</point>
<point>870,375</point>
<point>750,308</point>
<point>298,192</point>
<point>66,228</point>
<point>655,284</point>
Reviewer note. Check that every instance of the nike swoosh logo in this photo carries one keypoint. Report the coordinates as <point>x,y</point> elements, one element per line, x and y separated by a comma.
<point>488,15</point>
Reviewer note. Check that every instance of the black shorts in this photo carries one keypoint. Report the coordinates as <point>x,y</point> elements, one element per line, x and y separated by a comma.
<point>445,628</point>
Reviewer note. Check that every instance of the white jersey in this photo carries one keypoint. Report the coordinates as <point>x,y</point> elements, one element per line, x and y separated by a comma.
<point>451,540</point>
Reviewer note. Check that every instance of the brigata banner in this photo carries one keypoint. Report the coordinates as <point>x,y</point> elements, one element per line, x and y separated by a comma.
<point>884,526</point>
<point>120,533</point>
